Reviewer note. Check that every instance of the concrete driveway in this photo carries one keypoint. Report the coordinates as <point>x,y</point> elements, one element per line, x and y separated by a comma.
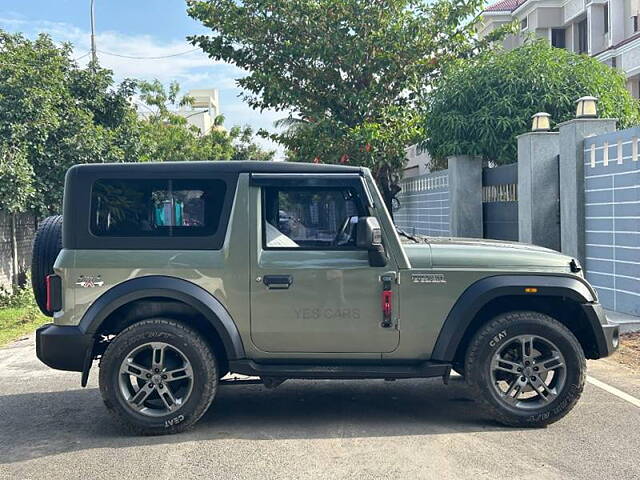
<point>50,428</point>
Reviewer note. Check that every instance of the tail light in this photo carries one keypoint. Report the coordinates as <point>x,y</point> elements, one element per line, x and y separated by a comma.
<point>54,292</point>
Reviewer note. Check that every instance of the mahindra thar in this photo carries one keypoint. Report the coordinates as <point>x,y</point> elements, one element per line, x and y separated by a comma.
<point>175,274</point>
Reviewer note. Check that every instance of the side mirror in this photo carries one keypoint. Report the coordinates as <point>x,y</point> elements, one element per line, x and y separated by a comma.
<point>369,237</point>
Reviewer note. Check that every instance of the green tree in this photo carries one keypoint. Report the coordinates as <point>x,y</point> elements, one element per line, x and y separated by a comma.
<point>245,147</point>
<point>350,70</point>
<point>16,179</point>
<point>54,115</point>
<point>481,104</point>
<point>379,144</point>
<point>167,136</point>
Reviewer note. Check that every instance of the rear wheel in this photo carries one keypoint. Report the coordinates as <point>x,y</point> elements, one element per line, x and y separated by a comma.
<point>158,376</point>
<point>526,368</point>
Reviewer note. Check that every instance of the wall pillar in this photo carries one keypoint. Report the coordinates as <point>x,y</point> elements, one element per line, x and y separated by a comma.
<point>465,196</point>
<point>538,189</point>
<point>572,135</point>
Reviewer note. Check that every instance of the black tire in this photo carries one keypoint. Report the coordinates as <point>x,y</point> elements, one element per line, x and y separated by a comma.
<point>494,338</point>
<point>46,247</point>
<point>194,348</point>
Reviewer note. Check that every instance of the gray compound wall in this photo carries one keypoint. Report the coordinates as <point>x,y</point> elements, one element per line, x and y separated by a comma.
<point>612,218</point>
<point>424,205</point>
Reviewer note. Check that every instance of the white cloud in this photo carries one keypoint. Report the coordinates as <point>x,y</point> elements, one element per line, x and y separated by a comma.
<point>191,70</point>
<point>141,46</point>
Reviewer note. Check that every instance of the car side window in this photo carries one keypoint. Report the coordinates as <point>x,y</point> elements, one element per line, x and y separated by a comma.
<point>156,208</point>
<point>312,218</point>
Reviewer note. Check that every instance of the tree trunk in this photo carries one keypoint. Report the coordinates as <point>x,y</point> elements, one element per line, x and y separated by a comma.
<point>14,252</point>
<point>388,200</point>
<point>388,183</point>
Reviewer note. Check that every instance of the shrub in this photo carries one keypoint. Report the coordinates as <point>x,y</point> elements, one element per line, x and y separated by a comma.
<point>481,104</point>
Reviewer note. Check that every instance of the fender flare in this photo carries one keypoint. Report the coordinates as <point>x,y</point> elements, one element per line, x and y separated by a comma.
<point>172,288</point>
<point>483,291</point>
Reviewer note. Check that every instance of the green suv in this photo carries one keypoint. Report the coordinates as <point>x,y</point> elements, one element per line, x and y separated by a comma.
<point>175,274</point>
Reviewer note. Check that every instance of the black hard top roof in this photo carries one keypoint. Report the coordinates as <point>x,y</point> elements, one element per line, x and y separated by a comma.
<point>145,168</point>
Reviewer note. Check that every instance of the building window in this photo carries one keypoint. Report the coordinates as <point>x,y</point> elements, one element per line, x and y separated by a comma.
<point>558,38</point>
<point>614,62</point>
<point>635,23</point>
<point>583,42</point>
<point>606,18</point>
<point>524,23</point>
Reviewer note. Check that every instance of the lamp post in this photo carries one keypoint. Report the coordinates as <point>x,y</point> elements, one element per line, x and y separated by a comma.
<point>586,107</point>
<point>94,56</point>
<point>541,122</point>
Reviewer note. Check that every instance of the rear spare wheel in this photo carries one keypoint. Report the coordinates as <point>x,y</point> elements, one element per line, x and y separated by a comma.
<point>46,246</point>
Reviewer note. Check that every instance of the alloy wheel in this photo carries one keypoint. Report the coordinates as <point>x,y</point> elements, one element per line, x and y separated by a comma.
<point>528,372</point>
<point>155,379</point>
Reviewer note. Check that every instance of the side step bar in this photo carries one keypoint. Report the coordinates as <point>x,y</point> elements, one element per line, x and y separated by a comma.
<point>422,370</point>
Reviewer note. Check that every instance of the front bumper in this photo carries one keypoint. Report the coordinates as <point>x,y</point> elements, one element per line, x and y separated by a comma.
<point>607,335</point>
<point>63,348</point>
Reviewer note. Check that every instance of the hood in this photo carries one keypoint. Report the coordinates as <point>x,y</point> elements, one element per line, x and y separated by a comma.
<point>483,253</point>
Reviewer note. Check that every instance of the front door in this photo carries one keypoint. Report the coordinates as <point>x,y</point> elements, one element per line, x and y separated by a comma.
<point>313,290</point>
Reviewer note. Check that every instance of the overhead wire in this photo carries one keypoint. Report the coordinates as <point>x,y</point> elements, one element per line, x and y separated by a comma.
<point>35,64</point>
<point>82,56</point>
<point>133,57</point>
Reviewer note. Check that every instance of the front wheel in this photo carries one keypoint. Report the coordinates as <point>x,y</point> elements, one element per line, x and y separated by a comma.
<point>526,368</point>
<point>158,376</point>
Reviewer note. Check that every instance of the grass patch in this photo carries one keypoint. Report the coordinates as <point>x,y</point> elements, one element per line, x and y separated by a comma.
<point>16,322</point>
<point>19,314</point>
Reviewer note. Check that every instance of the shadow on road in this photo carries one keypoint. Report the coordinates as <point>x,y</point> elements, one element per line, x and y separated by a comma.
<point>40,424</point>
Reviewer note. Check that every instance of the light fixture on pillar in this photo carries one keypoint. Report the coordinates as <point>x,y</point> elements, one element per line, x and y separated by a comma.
<point>586,107</point>
<point>541,122</point>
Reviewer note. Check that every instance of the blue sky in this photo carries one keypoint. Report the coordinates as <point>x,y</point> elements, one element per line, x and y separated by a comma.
<point>139,28</point>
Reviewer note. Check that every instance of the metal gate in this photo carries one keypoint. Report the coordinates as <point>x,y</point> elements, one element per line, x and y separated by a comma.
<point>500,202</point>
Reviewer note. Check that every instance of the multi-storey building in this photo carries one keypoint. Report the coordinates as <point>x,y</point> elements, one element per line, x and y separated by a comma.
<point>201,113</point>
<point>607,30</point>
<point>203,110</point>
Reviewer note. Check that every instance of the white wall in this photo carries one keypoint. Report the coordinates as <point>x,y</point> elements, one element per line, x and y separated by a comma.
<point>418,163</point>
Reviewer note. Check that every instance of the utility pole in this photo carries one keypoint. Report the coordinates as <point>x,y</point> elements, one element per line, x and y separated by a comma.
<point>94,56</point>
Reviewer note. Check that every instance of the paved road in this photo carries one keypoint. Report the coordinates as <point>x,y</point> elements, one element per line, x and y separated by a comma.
<point>50,429</point>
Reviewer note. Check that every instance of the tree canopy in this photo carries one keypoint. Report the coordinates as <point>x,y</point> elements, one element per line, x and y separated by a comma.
<point>349,70</point>
<point>481,104</point>
<point>54,114</point>
<point>167,136</point>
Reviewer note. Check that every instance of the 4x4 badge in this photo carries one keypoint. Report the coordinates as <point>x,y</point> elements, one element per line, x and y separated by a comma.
<point>428,278</point>
<point>89,281</point>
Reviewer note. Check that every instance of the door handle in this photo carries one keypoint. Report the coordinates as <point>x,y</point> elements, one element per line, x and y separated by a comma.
<point>277,282</point>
